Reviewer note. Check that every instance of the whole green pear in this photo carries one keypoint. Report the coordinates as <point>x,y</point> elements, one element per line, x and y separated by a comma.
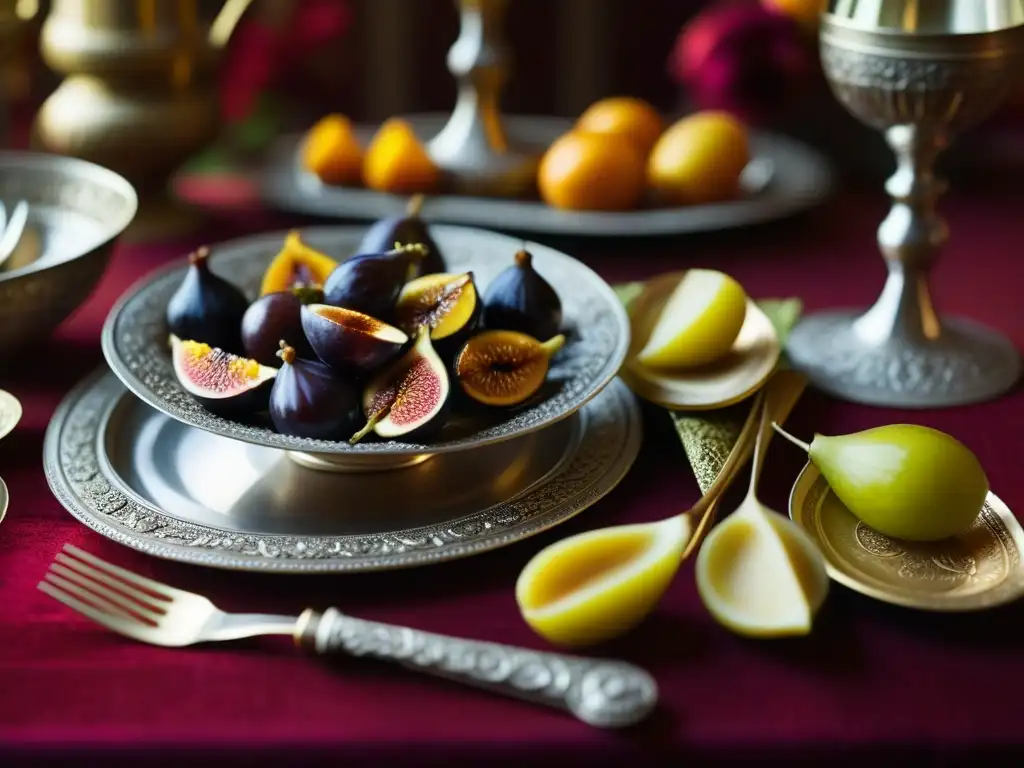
<point>904,480</point>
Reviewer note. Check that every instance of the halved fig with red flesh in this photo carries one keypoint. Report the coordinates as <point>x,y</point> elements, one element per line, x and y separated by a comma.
<point>222,382</point>
<point>410,398</point>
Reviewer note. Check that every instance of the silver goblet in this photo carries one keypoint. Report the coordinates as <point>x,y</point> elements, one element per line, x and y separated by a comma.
<point>921,72</point>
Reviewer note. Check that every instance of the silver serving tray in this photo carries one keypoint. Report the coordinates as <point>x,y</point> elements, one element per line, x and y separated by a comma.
<point>149,482</point>
<point>783,178</point>
<point>135,344</point>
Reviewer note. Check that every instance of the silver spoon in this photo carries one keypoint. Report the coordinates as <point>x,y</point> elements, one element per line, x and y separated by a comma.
<point>10,412</point>
<point>4,499</point>
<point>13,230</point>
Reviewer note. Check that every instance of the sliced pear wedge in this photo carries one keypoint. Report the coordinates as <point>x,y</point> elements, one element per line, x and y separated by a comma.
<point>759,575</point>
<point>699,322</point>
<point>661,317</point>
<point>600,584</point>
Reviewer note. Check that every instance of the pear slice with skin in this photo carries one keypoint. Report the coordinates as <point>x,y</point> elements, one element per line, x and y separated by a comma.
<point>699,322</point>
<point>743,370</point>
<point>594,586</point>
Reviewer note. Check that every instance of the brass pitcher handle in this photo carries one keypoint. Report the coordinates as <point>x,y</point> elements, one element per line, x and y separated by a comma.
<point>224,25</point>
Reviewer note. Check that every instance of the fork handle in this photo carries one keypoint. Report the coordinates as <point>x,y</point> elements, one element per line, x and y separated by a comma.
<point>600,692</point>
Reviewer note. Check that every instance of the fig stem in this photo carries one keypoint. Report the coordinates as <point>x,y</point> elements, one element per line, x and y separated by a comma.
<point>412,210</point>
<point>370,424</point>
<point>552,345</point>
<point>523,258</point>
<point>286,353</point>
<point>789,437</point>
<point>199,256</point>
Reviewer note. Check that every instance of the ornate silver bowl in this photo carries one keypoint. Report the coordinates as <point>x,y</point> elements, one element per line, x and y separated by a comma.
<point>594,322</point>
<point>921,72</point>
<point>76,212</point>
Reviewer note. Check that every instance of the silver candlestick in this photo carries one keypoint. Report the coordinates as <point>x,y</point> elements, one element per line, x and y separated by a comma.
<point>921,71</point>
<point>473,149</point>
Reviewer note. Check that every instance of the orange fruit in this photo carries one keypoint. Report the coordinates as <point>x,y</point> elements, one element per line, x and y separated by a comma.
<point>397,162</point>
<point>332,151</point>
<point>625,115</point>
<point>807,13</point>
<point>591,171</point>
<point>699,159</point>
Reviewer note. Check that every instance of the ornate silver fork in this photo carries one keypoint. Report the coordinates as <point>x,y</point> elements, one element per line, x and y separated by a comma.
<point>600,692</point>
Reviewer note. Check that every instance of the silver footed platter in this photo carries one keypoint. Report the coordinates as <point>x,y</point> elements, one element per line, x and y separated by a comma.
<point>154,484</point>
<point>783,178</point>
<point>594,323</point>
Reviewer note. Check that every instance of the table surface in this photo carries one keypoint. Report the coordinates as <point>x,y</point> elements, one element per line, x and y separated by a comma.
<point>874,680</point>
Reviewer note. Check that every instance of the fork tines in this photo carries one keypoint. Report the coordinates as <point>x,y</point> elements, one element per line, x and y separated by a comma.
<point>105,593</point>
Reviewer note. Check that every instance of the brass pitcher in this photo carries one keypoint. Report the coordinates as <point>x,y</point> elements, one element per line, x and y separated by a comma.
<point>140,89</point>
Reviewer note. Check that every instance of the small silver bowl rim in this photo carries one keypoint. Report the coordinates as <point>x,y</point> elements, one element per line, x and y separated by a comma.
<point>14,161</point>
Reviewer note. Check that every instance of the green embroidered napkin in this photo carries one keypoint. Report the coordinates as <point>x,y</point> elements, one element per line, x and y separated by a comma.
<point>709,436</point>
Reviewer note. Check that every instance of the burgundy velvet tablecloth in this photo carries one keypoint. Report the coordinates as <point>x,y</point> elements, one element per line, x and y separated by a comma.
<point>872,681</point>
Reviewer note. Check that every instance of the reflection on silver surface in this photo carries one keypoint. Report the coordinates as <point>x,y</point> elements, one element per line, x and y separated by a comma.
<point>207,479</point>
<point>528,489</point>
<point>928,17</point>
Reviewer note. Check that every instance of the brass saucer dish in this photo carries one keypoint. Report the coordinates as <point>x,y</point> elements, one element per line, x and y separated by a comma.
<point>979,569</point>
<point>752,359</point>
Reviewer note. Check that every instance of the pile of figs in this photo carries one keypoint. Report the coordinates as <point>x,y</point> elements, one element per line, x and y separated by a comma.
<point>386,343</point>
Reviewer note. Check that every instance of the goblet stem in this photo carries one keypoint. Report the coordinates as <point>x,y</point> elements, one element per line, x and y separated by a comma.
<point>898,352</point>
<point>910,238</point>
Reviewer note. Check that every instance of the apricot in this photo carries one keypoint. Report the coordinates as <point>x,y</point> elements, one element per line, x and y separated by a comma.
<point>699,159</point>
<point>332,151</point>
<point>591,171</point>
<point>397,162</point>
<point>624,115</point>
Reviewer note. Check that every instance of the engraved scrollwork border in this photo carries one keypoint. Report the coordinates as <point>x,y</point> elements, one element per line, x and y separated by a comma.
<point>885,88</point>
<point>610,441</point>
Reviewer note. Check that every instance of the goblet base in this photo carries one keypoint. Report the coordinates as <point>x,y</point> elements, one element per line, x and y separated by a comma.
<point>967,363</point>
